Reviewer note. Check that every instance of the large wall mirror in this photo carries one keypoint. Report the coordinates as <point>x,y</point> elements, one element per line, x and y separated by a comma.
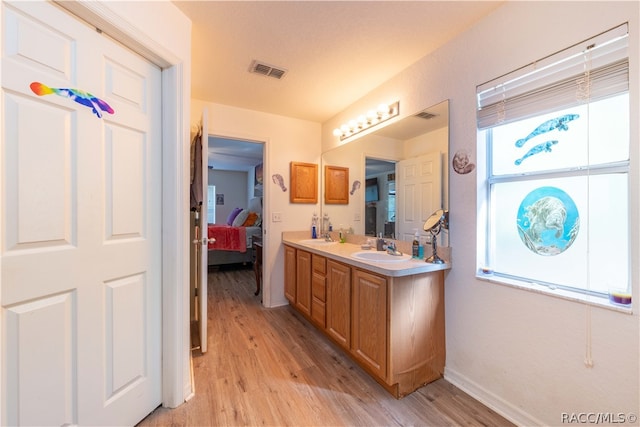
<point>398,175</point>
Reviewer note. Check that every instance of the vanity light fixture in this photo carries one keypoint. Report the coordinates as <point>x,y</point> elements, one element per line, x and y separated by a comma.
<point>373,118</point>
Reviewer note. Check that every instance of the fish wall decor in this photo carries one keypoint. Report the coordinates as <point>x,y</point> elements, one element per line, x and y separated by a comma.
<point>277,179</point>
<point>96,104</point>
<point>544,147</point>
<point>559,123</point>
<point>355,186</point>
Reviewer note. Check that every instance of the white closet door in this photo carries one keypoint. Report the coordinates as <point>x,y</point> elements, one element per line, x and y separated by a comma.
<point>80,256</point>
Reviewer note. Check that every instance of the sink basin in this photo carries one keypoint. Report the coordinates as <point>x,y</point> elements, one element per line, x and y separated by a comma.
<point>319,242</point>
<point>380,256</point>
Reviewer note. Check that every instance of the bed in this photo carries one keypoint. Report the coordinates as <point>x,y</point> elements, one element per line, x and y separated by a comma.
<point>234,239</point>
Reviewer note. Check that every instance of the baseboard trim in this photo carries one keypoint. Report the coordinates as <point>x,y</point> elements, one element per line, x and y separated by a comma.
<point>489,399</point>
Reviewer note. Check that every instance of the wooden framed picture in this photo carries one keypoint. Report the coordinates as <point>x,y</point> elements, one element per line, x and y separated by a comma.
<point>336,185</point>
<point>304,183</point>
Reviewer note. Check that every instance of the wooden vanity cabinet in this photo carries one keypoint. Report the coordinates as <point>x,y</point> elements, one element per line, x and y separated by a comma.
<point>369,321</point>
<point>416,336</point>
<point>290,274</point>
<point>339,303</point>
<point>319,290</point>
<point>391,326</point>
<point>303,282</point>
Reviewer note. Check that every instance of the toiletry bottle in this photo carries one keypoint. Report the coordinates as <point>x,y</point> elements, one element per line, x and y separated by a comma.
<point>415,247</point>
<point>314,227</point>
<point>341,234</point>
<point>380,243</point>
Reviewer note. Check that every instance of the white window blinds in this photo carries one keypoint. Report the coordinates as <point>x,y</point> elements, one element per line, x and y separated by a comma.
<point>594,69</point>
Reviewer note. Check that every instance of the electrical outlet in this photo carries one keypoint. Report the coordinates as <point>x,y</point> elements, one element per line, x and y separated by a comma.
<point>357,217</point>
<point>276,217</point>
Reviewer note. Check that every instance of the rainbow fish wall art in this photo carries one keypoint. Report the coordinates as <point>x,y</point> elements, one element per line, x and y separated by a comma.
<point>96,104</point>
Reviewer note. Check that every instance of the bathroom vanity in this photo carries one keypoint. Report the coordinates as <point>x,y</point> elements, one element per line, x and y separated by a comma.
<point>387,314</point>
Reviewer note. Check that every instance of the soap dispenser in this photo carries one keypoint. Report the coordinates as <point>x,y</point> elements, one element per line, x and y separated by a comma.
<point>415,247</point>
<point>314,226</point>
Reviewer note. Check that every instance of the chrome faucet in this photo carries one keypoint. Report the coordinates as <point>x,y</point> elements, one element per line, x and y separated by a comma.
<point>327,237</point>
<point>391,249</point>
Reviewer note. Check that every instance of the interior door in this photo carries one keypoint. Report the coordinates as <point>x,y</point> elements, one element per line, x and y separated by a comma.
<point>80,247</point>
<point>419,182</point>
<point>204,262</point>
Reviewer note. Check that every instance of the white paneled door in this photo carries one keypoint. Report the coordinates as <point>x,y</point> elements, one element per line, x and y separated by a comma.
<point>80,256</point>
<point>204,230</point>
<point>420,183</point>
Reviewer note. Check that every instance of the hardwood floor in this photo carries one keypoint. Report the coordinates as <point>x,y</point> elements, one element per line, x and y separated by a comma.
<point>271,367</point>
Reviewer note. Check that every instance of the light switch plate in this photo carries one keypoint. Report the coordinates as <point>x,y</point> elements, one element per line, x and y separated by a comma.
<point>276,217</point>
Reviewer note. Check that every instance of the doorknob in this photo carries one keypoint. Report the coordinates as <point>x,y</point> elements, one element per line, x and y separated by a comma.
<point>204,241</point>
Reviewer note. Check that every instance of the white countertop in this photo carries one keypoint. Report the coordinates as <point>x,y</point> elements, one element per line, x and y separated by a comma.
<point>343,252</point>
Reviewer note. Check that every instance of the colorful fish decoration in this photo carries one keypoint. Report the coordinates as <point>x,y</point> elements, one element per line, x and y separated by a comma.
<point>559,123</point>
<point>545,146</point>
<point>81,97</point>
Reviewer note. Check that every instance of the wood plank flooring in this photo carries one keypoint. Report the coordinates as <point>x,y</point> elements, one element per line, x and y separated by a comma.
<point>270,367</point>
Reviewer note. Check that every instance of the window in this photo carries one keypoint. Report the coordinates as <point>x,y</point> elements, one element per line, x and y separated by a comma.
<point>211,204</point>
<point>556,137</point>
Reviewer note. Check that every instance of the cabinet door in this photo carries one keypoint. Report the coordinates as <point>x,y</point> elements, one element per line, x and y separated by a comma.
<point>290,274</point>
<point>319,290</point>
<point>303,282</point>
<point>370,321</point>
<point>339,302</point>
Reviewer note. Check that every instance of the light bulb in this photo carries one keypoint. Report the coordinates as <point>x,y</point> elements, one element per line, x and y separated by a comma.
<point>344,129</point>
<point>362,120</point>
<point>337,132</point>
<point>353,124</point>
<point>383,110</point>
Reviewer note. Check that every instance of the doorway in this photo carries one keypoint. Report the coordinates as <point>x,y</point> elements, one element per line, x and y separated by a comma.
<point>236,176</point>
<point>380,197</point>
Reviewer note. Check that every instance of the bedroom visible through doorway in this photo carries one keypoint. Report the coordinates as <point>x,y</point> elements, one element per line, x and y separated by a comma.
<point>235,171</point>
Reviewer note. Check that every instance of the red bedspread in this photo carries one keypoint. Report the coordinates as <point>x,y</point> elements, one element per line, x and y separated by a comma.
<point>228,238</point>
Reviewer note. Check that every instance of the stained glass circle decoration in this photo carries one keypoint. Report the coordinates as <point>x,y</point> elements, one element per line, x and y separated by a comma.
<point>548,221</point>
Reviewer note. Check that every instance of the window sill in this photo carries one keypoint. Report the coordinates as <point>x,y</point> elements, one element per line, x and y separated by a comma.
<point>556,293</point>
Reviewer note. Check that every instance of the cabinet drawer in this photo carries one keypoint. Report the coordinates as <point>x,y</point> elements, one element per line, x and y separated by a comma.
<point>319,263</point>
<point>319,287</point>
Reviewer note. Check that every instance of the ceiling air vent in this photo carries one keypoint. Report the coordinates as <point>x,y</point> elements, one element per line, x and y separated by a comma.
<point>260,67</point>
<point>425,115</point>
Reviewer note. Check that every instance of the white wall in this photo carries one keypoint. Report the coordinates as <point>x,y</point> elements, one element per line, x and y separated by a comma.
<point>233,185</point>
<point>521,352</point>
<point>286,140</point>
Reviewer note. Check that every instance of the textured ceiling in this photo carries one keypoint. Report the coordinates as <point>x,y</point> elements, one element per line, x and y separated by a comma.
<point>334,52</point>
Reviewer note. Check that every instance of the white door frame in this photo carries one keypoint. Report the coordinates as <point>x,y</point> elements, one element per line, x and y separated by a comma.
<point>114,20</point>
<point>266,213</point>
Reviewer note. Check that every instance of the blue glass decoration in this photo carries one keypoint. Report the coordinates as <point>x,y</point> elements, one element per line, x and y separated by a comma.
<point>548,221</point>
<point>559,123</point>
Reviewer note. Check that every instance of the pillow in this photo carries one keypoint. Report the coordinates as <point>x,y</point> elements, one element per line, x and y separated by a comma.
<point>234,213</point>
<point>251,219</point>
<point>240,218</point>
